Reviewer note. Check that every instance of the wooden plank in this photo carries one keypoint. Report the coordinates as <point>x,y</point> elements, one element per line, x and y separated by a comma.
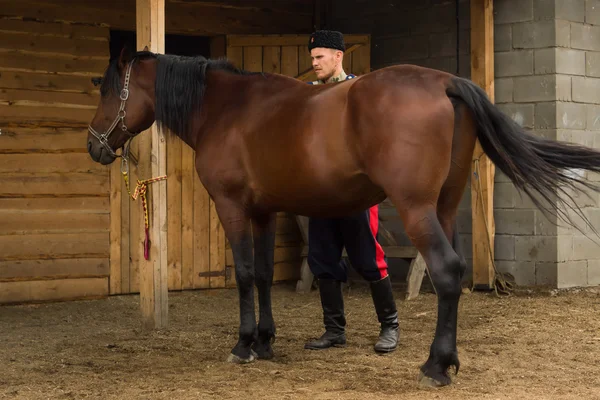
<point>49,246</point>
<point>150,28</point>
<point>23,223</point>
<point>184,18</point>
<point>53,290</point>
<point>16,115</point>
<point>58,46</point>
<point>286,271</point>
<point>54,269</point>
<point>227,20</point>
<point>90,13</point>
<point>416,272</point>
<point>188,175</point>
<point>69,31</point>
<point>174,211</point>
<point>272,59</point>
<point>287,239</point>
<point>85,205</point>
<point>126,251</point>
<point>274,7</point>
<point>361,59</point>
<point>289,60</point>
<point>48,163</point>
<point>482,73</point>
<point>49,98</point>
<point>236,56</point>
<point>253,58</point>
<point>283,40</point>
<point>139,146</point>
<point>19,61</point>
<point>48,82</point>
<point>116,241</point>
<point>54,185</point>
<point>27,140</point>
<point>201,235</point>
<point>306,74</point>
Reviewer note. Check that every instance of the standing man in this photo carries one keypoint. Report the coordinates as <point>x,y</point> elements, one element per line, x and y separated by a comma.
<point>327,237</point>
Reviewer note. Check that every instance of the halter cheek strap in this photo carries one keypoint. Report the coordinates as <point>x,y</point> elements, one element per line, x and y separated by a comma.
<point>103,137</point>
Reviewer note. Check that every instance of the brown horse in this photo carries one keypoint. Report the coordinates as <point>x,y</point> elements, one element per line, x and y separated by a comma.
<point>266,143</point>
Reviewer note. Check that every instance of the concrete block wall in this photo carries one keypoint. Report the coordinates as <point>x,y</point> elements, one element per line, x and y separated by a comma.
<point>545,61</point>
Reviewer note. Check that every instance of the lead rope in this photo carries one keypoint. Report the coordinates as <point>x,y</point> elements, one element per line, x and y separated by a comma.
<point>503,283</point>
<point>140,191</point>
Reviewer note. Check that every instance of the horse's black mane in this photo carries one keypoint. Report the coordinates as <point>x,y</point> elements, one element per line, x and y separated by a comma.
<point>180,83</point>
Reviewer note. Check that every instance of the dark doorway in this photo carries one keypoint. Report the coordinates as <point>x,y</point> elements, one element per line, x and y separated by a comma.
<point>182,45</point>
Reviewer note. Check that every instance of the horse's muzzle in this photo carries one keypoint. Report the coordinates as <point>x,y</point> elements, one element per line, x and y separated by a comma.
<point>99,154</point>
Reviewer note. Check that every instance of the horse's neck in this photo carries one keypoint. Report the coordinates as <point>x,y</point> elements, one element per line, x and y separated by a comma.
<point>230,98</point>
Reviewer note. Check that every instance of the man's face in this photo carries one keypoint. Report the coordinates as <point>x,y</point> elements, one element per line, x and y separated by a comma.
<point>325,61</point>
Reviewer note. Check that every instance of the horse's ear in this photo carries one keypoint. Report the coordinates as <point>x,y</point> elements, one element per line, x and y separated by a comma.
<point>125,56</point>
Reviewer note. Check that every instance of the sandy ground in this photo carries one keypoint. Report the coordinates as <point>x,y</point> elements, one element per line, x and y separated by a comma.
<point>533,345</point>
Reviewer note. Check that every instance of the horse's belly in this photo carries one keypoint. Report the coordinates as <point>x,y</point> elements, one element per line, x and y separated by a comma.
<point>319,199</point>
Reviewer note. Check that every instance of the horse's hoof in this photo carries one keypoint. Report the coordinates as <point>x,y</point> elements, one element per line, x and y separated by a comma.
<point>428,382</point>
<point>264,354</point>
<point>239,360</point>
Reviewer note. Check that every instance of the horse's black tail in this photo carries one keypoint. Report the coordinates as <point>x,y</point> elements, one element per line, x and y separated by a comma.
<point>534,164</point>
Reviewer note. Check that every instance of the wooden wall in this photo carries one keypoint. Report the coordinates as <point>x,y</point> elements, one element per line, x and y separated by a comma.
<point>207,17</point>
<point>54,203</point>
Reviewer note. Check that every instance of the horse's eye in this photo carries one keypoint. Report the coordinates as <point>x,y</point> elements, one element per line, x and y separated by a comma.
<point>97,81</point>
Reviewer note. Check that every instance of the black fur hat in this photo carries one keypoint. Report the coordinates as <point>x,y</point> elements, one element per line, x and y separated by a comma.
<point>328,39</point>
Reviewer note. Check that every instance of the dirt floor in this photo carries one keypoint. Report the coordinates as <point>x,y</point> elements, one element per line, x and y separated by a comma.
<point>533,345</point>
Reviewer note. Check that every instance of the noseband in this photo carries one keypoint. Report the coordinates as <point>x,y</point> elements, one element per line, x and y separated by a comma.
<point>103,137</point>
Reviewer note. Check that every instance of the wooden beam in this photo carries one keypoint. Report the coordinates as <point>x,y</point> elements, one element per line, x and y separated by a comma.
<point>482,176</point>
<point>285,40</point>
<point>150,26</point>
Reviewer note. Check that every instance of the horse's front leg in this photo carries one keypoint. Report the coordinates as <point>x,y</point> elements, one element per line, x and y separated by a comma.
<point>263,228</point>
<point>236,225</point>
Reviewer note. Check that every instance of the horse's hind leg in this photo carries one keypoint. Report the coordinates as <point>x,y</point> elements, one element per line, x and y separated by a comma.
<point>263,228</point>
<point>445,268</point>
<point>237,229</point>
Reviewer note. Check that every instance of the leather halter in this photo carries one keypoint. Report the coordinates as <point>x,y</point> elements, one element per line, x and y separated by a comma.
<point>103,137</point>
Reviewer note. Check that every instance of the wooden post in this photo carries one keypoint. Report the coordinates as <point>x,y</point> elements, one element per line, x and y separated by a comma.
<point>150,26</point>
<point>482,73</point>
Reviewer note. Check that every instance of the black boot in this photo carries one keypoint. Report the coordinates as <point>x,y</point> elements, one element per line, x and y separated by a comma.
<point>332,302</point>
<point>385,306</point>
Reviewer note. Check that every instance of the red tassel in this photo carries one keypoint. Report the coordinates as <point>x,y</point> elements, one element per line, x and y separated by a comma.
<point>146,245</point>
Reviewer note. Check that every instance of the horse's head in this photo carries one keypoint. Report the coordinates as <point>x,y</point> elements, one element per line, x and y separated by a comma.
<point>126,106</point>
